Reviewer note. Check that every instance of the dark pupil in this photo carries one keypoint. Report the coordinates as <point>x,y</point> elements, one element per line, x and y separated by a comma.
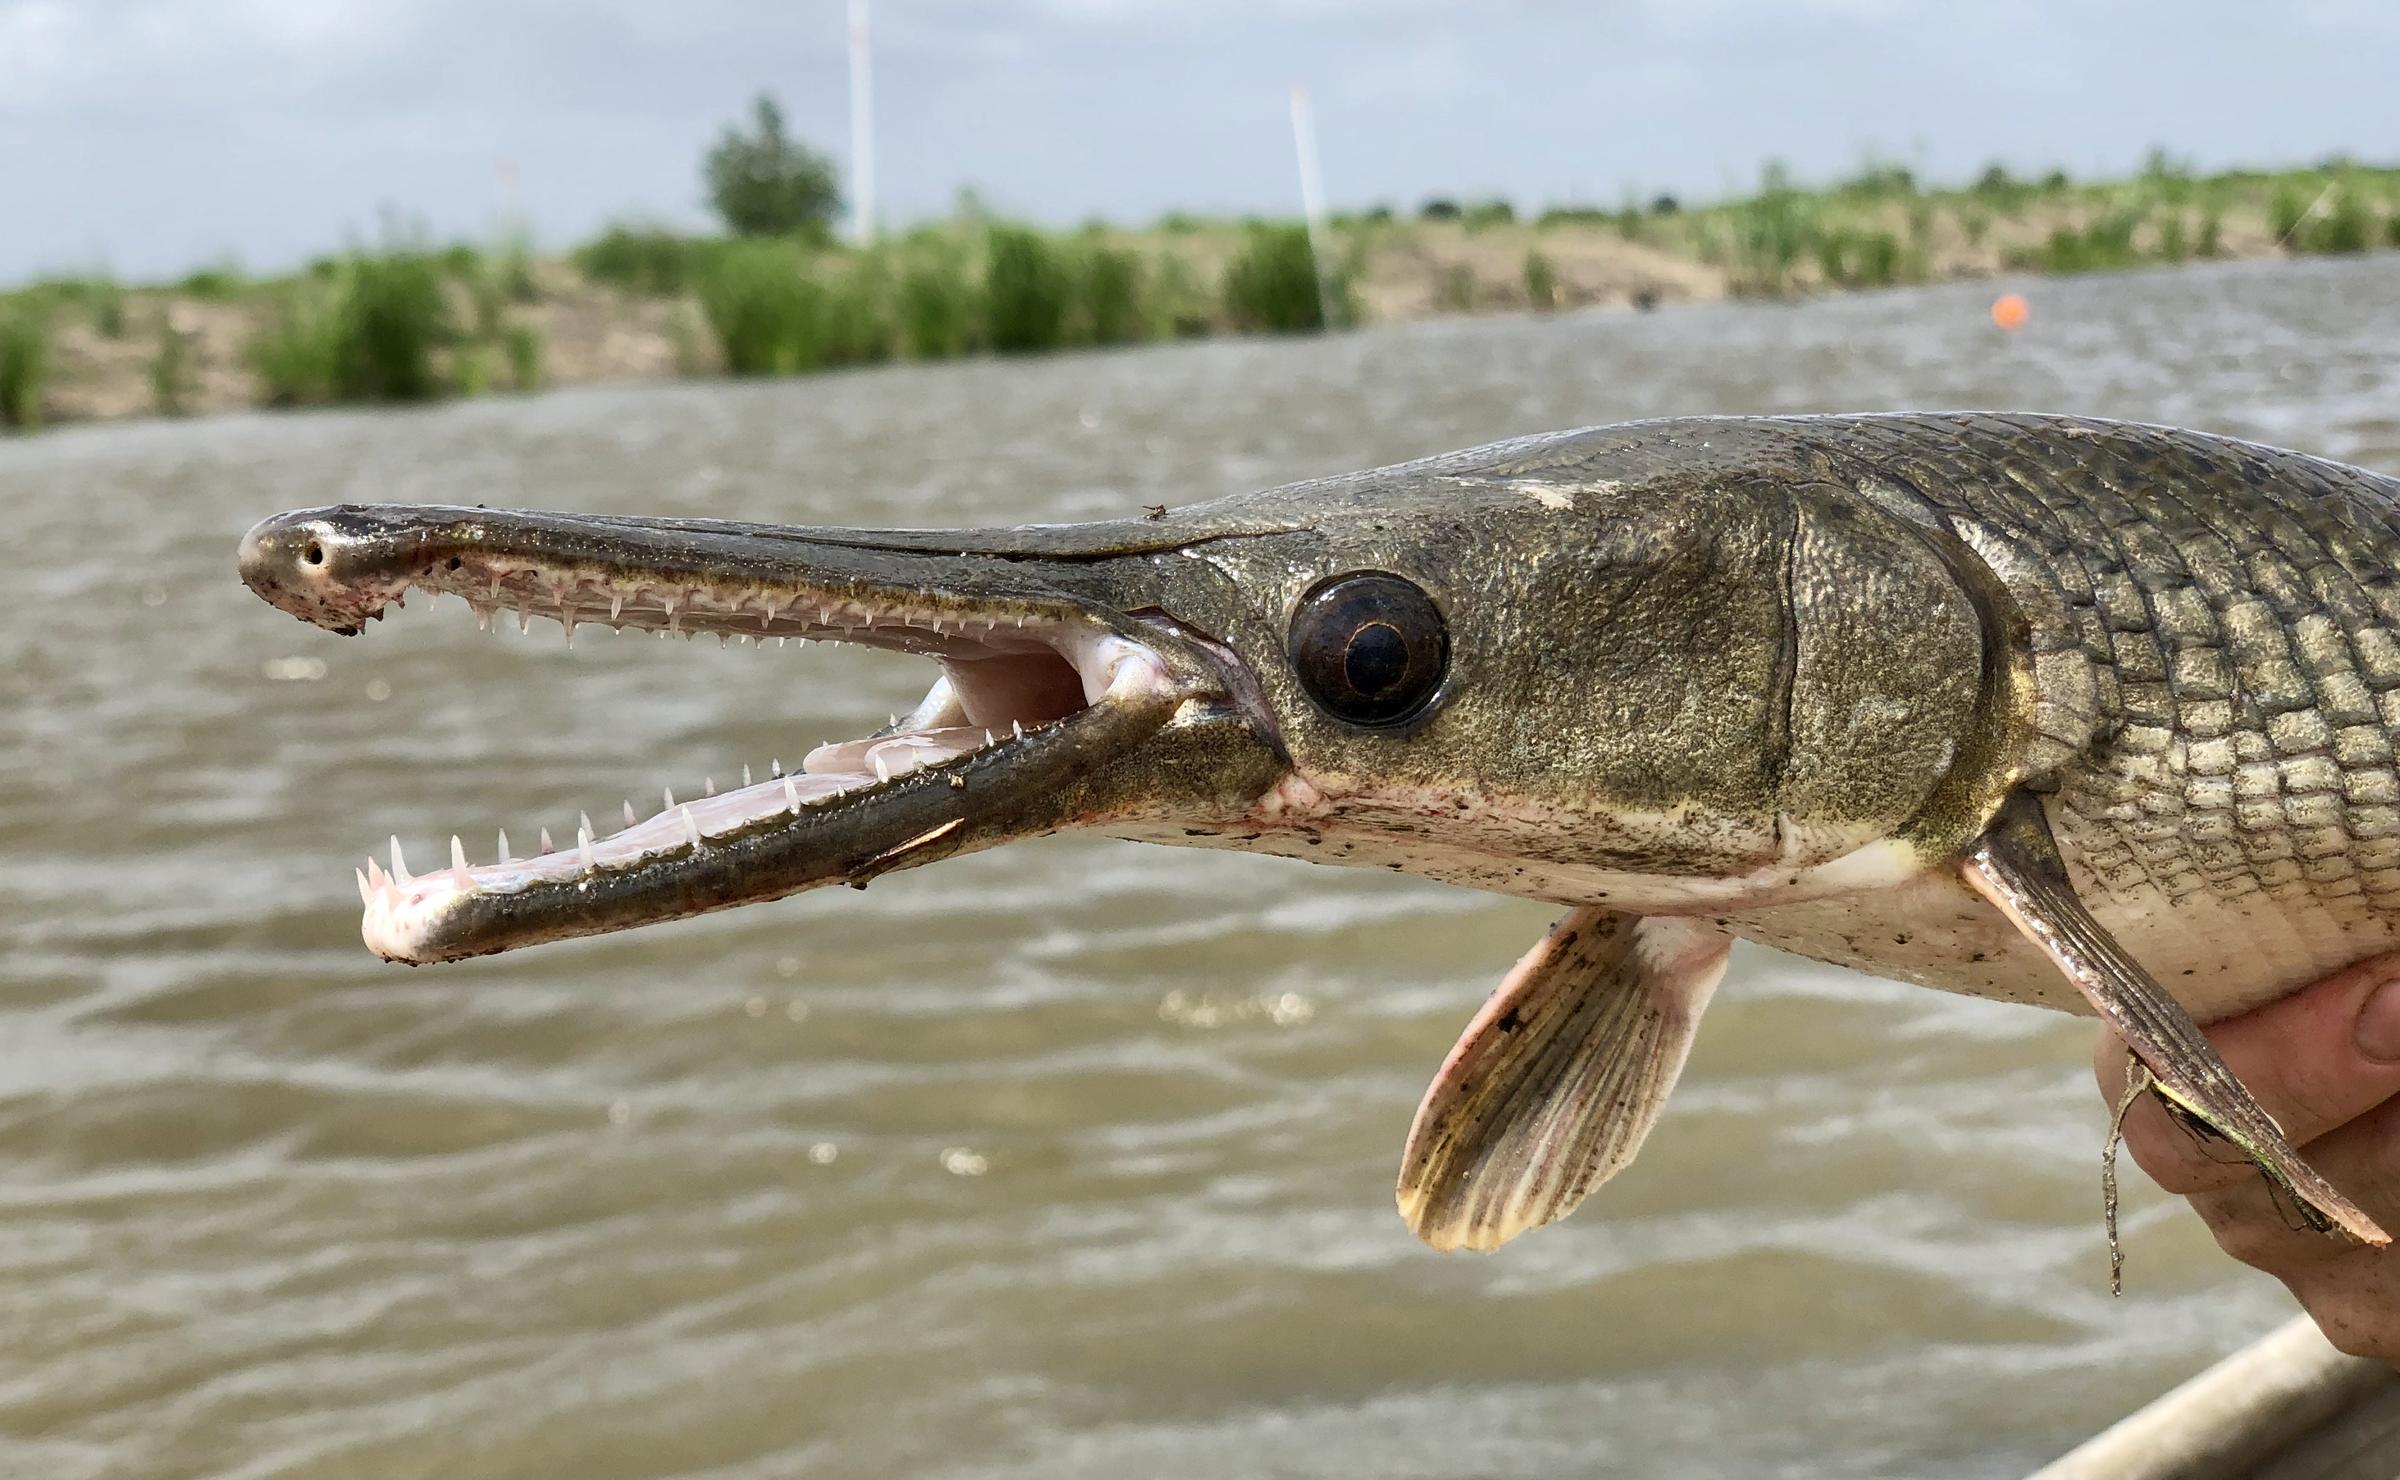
<point>1370,648</point>
<point>1377,658</point>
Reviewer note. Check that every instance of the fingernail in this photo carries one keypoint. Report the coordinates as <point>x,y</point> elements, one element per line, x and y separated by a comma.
<point>2378,1031</point>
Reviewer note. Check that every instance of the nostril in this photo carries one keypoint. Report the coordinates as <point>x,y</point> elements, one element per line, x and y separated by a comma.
<point>314,554</point>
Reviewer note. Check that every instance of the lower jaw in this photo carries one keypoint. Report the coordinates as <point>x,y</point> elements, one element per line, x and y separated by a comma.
<point>770,839</point>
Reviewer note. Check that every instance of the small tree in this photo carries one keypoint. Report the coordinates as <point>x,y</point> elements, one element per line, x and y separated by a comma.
<point>765,183</point>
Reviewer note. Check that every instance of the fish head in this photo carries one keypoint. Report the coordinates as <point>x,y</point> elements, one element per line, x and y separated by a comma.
<point>1605,667</point>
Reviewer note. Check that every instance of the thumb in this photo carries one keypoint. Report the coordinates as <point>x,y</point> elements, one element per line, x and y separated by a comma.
<point>2317,1059</point>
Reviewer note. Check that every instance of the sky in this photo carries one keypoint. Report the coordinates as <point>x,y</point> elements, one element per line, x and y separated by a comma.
<point>148,137</point>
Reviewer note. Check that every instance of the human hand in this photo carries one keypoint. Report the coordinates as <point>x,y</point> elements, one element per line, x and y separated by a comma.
<point>2325,1062</point>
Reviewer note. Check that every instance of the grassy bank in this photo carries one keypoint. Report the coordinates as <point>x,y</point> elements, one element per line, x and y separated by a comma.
<point>406,321</point>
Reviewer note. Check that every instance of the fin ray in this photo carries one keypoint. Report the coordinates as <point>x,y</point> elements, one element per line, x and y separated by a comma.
<point>2016,866</point>
<point>1555,1083</point>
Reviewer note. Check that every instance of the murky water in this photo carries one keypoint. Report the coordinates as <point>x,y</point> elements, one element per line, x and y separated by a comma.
<point>1069,1160</point>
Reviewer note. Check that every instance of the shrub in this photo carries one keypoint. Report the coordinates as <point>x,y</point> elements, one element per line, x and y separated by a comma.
<point>1454,290</point>
<point>1026,286</point>
<point>24,364</point>
<point>1179,304</point>
<point>2344,226</point>
<point>763,307</point>
<point>765,183</point>
<point>1489,213</point>
<point>939,308</point>
<point>1112,296</point>
<point>1770,231</point>
<point>1541,283</point>
<point>1439,209</point>
<point>857,324</point>
<point>293,354</point>
<point>2173,244</point>
<point>108,307</point>
<point>171,372</point>
<point>2285,213</point>
<point>1271,284</point>
<point>390,317</point>
<point>524,345</point>
<point>220,282</point>
<point>652,260</point>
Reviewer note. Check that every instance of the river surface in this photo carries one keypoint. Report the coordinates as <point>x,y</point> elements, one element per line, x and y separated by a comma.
<point>1069,1160</point>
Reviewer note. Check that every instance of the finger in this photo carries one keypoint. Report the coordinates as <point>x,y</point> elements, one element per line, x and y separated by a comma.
<point>2316,1060</point>
<point>2256,1222</point>
<point>2355,1301</point>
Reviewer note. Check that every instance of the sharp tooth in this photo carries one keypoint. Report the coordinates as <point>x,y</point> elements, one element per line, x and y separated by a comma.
<point>824,616</point>
<point>708,785</point>
<point>691,827</point>
<point>400,873</point>
<point>583,839</point>
<point>365,894</point>
<point>987,738</point>
<point>616,605</point>
<point>483,615</point>
<point>548,847</point>
<point>1016,729</point>
<point>566,619</point>
<point>775,766</point>
<point>669,793</point>
<point>771,609</point>
<point>780,641</point>
<point>724,640</point>
<point>630,819</point>
<point>791,795</point>
<point>745,774</point>
<point>891,721</point>
<point>458,856</point>
<point>375,874</point>
<point>505,855</point>
<point>524,619</point>
<point>882,771</point>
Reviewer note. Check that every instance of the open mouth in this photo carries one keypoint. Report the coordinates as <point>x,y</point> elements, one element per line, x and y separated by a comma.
<point>1037,692</point>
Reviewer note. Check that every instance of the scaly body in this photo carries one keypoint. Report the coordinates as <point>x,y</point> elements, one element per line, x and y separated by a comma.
<point>2074,712</point>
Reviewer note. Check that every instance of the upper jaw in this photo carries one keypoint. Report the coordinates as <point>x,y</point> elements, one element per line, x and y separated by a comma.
<point>1048,707</point>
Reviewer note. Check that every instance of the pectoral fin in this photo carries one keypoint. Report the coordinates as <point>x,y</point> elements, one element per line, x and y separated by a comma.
<point>1557,1080</point>
<point>2017,867</point>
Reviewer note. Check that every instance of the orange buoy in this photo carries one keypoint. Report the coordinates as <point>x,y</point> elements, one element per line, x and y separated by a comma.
<point>2008,310</point>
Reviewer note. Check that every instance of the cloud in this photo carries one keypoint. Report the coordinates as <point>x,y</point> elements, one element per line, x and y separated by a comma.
<point>156,133</point>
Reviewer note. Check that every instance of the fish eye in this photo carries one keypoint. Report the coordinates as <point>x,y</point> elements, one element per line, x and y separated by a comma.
<point>1370,647</point>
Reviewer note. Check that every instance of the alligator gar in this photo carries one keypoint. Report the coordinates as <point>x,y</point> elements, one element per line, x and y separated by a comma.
<point>2079,713</point>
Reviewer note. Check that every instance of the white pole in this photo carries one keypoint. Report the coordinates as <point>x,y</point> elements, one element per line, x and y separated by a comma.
<point>862,129</point>
<point>1312,195</point>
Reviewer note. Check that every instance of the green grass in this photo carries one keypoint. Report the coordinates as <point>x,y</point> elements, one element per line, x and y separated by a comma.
<point>372,331</point>
<point>24,363</point>
<point>1027,288</point>
<point>940,307</point>
<point>1110,292</point>
<point>654,261</point>
<point>171,372</point>
<point>764,308</point>
<point>293,353</point>
<point>523,345</point>
<point>389,319</point>
<point>1271,284</point>
<point>1541,283</point>
<point>407,322</point>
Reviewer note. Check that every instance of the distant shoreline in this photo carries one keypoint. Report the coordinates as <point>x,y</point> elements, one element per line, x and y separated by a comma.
<point>644,304</point>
